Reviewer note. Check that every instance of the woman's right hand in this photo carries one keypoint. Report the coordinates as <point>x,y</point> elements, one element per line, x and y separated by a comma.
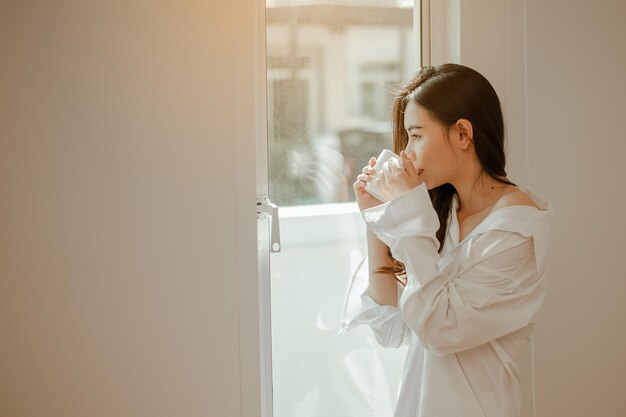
<point>364,199</point>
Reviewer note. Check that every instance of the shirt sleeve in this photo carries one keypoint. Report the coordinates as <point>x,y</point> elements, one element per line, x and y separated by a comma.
<point>493,290</point>
<point>386,321</point>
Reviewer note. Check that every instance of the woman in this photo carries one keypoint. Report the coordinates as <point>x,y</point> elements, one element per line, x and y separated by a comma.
<point>457,253</point>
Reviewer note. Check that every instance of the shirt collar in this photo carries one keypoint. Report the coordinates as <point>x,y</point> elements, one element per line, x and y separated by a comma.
<point>525,220</point>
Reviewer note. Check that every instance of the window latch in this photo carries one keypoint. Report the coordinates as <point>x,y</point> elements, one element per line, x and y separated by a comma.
<point>270,209</point>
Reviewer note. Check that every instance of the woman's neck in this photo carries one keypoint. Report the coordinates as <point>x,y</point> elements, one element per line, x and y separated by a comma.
<point>477,195</point>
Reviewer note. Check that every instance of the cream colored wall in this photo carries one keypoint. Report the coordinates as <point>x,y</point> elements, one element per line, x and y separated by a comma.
<point>576,90</point>
<point>126,185</point>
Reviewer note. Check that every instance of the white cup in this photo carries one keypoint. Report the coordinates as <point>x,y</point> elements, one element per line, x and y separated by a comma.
<point>371,187</point>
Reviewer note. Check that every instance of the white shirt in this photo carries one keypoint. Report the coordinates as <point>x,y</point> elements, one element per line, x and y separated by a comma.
<point>467,314</point>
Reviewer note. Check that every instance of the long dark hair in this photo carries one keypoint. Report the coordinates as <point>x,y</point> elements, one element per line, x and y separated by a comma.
<point>450,92</point>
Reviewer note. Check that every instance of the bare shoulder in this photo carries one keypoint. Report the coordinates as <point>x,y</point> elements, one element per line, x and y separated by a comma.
<point>514,197</point>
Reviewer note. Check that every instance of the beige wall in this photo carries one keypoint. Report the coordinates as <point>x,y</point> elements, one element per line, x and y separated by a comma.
<point>576,90</point>
<point>126,168</point>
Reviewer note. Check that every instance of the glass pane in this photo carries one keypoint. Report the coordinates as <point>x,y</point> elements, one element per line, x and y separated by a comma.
<point>330,68</point>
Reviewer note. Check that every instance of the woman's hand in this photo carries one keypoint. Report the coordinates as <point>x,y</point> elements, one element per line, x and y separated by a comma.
<point>364,199</point>
<point>395,179</point>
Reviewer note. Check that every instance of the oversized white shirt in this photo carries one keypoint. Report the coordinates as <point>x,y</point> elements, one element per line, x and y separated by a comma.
<point>467,314</point>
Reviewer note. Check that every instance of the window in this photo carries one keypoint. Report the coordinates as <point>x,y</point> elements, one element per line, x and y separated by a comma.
<point>330,69</point>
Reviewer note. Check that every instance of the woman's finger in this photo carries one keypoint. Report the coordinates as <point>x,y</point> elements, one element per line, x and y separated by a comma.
<point>394,165</point>
<point>380,179</point>
<point>358,184</point>
<point>386,169</point>
<point>408,165</point>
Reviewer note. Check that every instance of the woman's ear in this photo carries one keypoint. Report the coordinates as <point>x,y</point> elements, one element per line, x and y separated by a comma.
<point>465,133</point>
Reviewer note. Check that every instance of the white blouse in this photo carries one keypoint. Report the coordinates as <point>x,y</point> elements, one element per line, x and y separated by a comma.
<point>467,314</point>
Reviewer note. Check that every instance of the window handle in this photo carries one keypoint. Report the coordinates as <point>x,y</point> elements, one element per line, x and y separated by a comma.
<point>271,209</point>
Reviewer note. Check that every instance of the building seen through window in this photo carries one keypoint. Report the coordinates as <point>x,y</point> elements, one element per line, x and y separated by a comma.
<point>331,70</point>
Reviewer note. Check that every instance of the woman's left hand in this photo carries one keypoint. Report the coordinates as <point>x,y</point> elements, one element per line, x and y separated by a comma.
<point>395,179</point>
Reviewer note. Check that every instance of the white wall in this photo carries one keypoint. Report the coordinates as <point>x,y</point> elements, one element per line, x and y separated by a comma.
<point>576,90</point>
<point>119,223</point>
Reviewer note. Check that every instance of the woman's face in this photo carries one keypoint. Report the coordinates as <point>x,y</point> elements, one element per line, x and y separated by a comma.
<point>435,160</point>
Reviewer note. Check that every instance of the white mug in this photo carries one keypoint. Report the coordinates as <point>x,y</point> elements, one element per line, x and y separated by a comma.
<point>371,187</point>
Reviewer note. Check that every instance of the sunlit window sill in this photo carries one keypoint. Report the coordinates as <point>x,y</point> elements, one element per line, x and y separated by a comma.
<point>330,209</point>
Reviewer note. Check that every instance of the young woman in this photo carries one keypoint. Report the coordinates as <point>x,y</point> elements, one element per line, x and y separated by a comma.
<point>456,266</point>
